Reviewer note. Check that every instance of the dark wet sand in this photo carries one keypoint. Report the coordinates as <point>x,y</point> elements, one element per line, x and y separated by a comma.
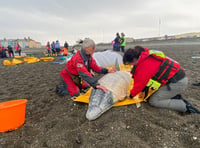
<point>53,121</point>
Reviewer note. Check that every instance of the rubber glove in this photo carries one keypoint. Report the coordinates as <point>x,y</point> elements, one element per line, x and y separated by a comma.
<point>113,69</point>
<point>142,95</point>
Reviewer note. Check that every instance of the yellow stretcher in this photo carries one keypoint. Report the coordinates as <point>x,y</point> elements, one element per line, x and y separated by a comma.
<point>127,101</point>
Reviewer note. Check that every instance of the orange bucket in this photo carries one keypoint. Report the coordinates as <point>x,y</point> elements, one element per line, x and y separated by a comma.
<point>12,114</point>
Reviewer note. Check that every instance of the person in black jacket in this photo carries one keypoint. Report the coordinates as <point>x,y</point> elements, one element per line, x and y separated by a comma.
<point>116,46</point>
<point>10,51</point>
<point>66,45</point>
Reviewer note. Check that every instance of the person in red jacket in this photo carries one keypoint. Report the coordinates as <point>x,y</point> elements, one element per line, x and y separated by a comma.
<point>151,68</point>
<point>48,47</point>
<point>18,49</point>
<point>78,73</point>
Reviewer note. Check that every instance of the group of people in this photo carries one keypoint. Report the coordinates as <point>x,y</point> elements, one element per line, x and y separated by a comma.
<point>55,49</point>
<point>151,68</point>
<point>119,42</point>
<point>9,50</point>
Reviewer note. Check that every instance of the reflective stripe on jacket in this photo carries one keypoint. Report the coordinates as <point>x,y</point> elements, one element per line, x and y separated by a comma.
<point>124,41</point>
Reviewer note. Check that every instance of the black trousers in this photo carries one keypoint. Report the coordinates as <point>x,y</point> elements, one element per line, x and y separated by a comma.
<point>122,48</point>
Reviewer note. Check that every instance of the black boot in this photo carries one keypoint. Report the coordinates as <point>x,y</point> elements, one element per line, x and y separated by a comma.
<point>178,97</point>
<point>190,108</point>
<point>61,90</point>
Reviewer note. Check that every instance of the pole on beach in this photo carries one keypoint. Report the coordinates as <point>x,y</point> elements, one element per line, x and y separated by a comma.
<point>159,22</point>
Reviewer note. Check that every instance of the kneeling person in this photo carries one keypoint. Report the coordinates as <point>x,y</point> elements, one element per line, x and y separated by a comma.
<point>79,69</point>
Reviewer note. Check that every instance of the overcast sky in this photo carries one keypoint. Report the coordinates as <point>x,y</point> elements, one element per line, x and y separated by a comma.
<point>70,20</point>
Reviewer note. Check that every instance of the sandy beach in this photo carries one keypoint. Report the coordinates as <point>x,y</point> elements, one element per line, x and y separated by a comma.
<point>53,121</point>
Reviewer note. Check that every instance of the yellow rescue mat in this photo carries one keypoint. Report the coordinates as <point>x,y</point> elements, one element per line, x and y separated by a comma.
<point>45,59</point>
<point>31,60</point>
<point>13,62</point>
<point>127,101</point>
<point>7,63</point>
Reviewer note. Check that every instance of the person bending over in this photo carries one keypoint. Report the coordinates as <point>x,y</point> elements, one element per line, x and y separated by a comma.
<point>151,68</point>
<point>78,73</point>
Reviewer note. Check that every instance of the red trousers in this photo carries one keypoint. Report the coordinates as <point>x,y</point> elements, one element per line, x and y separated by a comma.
<point>72,88</point>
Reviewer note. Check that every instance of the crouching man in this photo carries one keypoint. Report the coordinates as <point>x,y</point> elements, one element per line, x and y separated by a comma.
<point>78,73</point>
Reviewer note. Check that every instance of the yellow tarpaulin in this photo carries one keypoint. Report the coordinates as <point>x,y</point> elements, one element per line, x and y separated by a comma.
<point>26,60</point>
<point>7,63</point>
<point>31,60</point>
<point>45,59</point>
<point>16,61</point>
<point>85,97</point>
<point>13,62</point>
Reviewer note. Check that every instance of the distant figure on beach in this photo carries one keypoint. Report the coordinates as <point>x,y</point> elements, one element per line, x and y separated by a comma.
<point>78,74</point>
<point>113,42</point>
<point>48,48</point>
<point>10,51</point>
<point>0,51</point>
<point>57,47</point>
<point>18,49</point>
<point>116,46</point>
<point>65,49</point>
<point>66,45</point>
<point>122,42</point>
<point>152,68</point>
<point>53,50</point>
<point>77,46</point>
<point>3,52</point>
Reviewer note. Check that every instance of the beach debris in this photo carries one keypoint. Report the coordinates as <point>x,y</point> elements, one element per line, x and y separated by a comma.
<point>138,105</point>
<point>196,57</point>
<point>1,139</point>
<point>63,59</point>
<point>78,139</point>
<point>194,137</point>
<point>196,84</point>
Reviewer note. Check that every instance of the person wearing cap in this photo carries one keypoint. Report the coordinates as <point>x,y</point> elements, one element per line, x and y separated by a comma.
<point>78,73</point>
<point>152,68</point>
